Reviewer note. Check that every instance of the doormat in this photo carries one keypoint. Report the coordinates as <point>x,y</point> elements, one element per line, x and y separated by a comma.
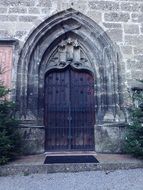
<point>70,159</point>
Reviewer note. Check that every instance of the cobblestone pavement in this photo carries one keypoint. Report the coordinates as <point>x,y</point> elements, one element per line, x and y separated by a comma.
<point>99,180</point>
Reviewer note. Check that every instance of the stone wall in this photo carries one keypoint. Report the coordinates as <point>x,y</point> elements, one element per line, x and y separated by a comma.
<point>121,19</point>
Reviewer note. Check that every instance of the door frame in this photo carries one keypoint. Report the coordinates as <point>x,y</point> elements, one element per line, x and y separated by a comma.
<point>62,70</point>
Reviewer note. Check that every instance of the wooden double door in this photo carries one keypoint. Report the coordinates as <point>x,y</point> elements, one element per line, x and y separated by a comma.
<point>69,110</point>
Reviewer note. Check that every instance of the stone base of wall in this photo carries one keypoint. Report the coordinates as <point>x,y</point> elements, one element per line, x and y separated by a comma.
<point>109,138</point>
<point>33,139</point>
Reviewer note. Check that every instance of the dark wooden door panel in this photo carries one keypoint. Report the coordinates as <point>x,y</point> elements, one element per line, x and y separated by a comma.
<point>69,110</point>
<point>82,110</point>
<point>57,110</point>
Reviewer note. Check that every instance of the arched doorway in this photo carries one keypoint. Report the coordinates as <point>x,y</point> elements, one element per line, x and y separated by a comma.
<point>71,39</point>
<point>69,110</point>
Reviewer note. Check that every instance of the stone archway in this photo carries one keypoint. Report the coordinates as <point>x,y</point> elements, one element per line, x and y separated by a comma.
<point>69,98</point>
<point>101,53</point>
<point>44,50</point>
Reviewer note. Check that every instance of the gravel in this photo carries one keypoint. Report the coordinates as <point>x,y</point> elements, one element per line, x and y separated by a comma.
<point>98,180</point>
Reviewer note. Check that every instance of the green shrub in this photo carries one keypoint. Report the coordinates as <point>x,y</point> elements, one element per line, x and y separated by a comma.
<point>10,141</point>
<point>134,137</point>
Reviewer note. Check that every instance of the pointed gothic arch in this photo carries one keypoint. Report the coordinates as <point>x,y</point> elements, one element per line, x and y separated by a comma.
<point>40,53</point>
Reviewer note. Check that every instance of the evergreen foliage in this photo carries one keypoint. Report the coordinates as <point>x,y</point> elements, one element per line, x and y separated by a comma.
<point>134,137</point>
<point>9,137</point>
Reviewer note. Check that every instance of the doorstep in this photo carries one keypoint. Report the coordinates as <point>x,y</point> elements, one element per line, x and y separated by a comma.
<point>33,164</point>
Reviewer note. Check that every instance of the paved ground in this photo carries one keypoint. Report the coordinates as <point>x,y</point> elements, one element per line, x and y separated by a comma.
<point>99,180</point>
<point>103,158</point>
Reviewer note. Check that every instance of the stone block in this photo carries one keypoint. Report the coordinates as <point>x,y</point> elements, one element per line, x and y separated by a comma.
<point>132,7</point>
<point>141,28</point>
<point>115,34</point>
<point>3,10</point>
<point>136,40</point>
<point>79,5</point>
<point>131,28</point>
<point>19,34</point>
<point>112,25</point>
<point>134,83</point>
<point>21,26</point>
<point>17,10</point>
<point>45,10</point>
<point>4,34</point>
<point>135,64</point>
<point>44,3</point>
<point>96,16</point>
<point>33,10</point>
<point>27,18</point>
<point>116,17</point>
<point>104,5</point>
<point>137,17</point>
<point>138,50</point>
<point>127,51</point>
<point>5,18</point>
<point>33,139</point>
<point>17,2</point>
<point>109,138</point>
<point>137,75</point>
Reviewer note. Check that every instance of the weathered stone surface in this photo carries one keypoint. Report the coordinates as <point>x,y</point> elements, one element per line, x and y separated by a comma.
<point>5,18</point>
<point>20,34</point>
<point>115,34</point>
<point>3,10</point>
<point>137,75</point>
<point>134,40</point>
<point>132,82</point>
<point>104,5</point>
<point>131,28</point>
<point>27,18</point>
<point>45,11</point>
<point>127,50</point>
<point>138,50</point>
<point>137,17</point>
<point>29,169</point>
<point>17,2</point>
<point>136,64</point>
<point>17,10</point>
<point>5,34</point>
<point>33,139</point>
<point>112,25</point>
<point>96,16</point>
<point>127,6</point>
<point>34,10</point>
<point>141,28</point>
<point>109,138</point>
<point>80,5</point>
<point>44,3</point>
<point>116,17</point>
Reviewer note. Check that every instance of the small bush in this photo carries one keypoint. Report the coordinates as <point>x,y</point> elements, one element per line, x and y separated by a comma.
<point>10,141</point>
<point>134,137</point>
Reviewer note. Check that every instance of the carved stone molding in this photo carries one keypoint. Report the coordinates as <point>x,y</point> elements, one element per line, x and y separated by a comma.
<point>69,52</point>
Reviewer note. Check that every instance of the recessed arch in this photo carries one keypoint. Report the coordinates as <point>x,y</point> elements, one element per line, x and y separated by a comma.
<point>43,41</point>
